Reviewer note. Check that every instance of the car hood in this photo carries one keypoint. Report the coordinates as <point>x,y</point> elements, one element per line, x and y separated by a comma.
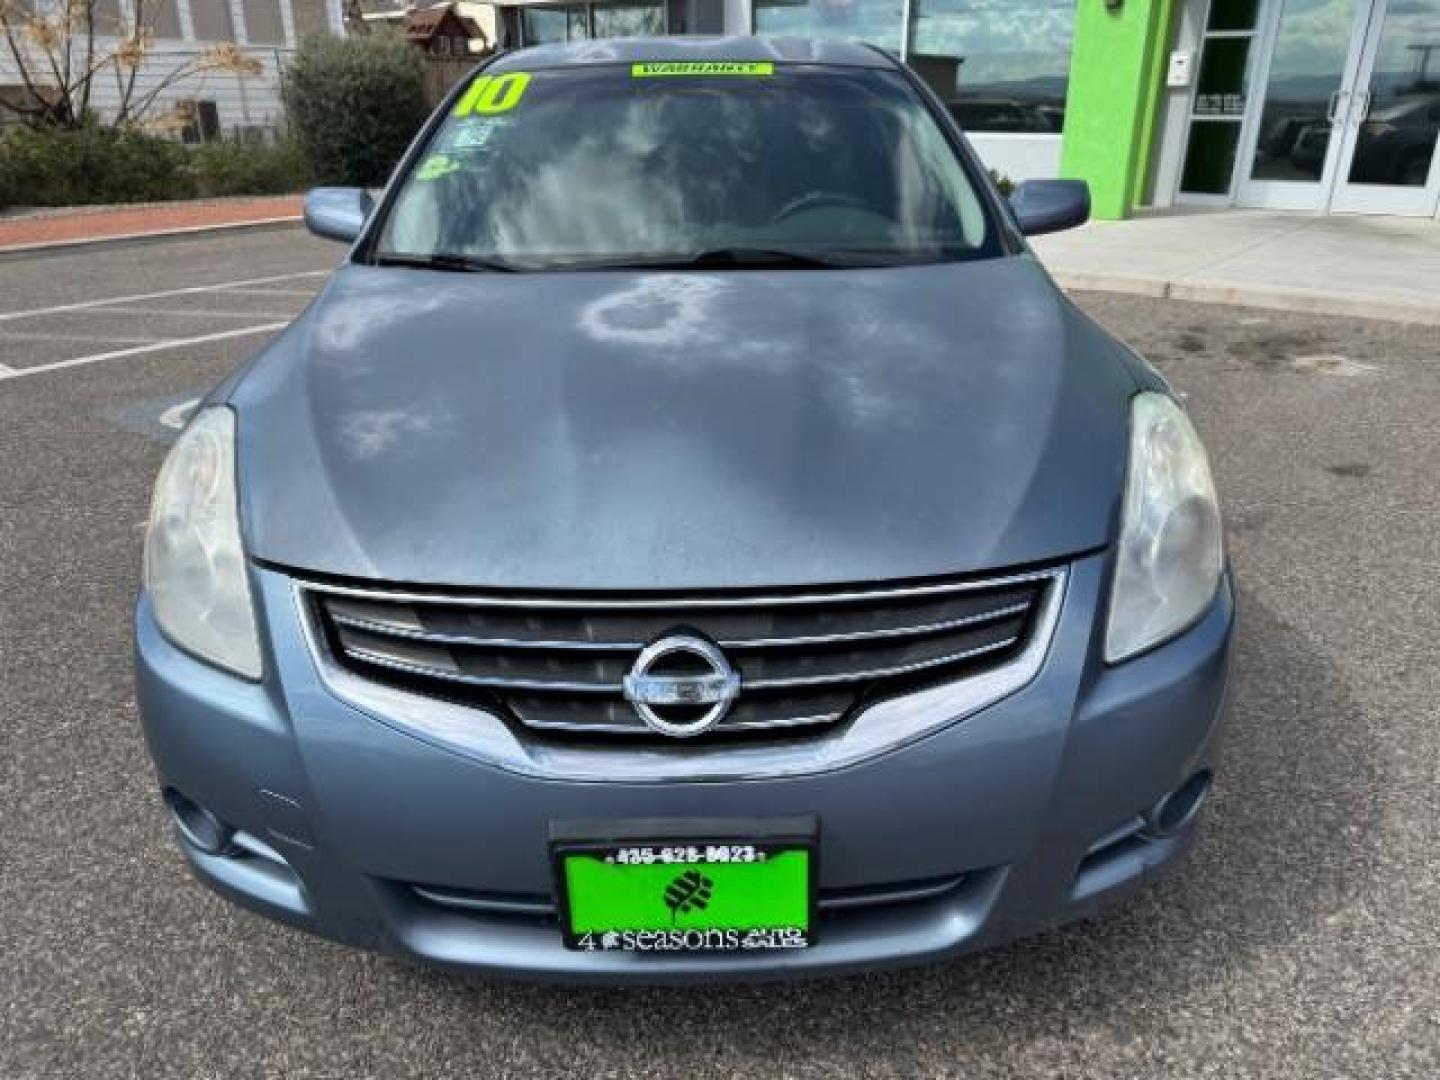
<point>626,430</point>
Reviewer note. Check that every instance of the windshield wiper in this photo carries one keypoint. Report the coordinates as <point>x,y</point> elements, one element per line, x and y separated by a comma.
<point>745,256</point>
<point>448,261</point>
<point>729,258</point>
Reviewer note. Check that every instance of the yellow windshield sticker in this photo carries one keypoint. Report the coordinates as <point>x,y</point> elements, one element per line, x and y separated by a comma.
<point>491,94</point>
<point>436,166</point>
<point>701,67</point>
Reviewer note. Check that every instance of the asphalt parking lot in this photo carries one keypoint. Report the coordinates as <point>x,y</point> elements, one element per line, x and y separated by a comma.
<point>1300,939</point>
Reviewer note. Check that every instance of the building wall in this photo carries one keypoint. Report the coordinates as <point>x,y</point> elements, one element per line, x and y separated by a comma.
<point>483,15</point>
<point>1115,78</point>
<point>185,28</point>
<point>1017,155</point>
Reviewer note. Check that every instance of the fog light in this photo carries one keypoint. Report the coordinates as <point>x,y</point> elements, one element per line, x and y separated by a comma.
<point>1178,809</point>
<point>198,825</point>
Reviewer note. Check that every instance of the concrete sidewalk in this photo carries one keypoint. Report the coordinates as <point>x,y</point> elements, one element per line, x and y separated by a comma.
<point>1378,267</point>
<point>37,229</point>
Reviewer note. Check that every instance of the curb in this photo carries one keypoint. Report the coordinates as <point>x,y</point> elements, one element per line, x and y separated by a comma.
<point>62,246</point>
<point>1272,297</point>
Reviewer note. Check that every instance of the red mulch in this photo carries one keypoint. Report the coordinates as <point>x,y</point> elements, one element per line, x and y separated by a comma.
<point>88,223</point>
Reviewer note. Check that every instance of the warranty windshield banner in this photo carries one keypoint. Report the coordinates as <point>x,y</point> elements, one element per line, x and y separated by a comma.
<point>701,67</point>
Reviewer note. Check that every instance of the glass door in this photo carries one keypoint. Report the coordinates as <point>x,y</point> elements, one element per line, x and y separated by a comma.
<point>1312,50</point>
<point>1388,159</point>
<point>1221,102</point>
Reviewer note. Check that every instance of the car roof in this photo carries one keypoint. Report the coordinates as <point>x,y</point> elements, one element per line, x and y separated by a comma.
<point>736,49</point>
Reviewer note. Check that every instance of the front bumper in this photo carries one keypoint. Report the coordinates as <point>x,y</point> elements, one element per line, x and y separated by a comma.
<point>1024,815</point>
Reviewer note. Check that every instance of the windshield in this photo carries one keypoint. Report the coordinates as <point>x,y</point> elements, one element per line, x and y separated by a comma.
<point>678,163</point>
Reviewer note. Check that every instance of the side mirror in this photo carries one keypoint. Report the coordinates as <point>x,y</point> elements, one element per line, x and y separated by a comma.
<point>1046,206</point>
<point>337,213</point>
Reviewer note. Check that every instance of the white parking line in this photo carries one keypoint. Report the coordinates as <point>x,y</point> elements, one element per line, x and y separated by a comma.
<point>83,339</point>
<point>111,301</point>
<point>307,293</point>
<point>186,313</point>
<point>174,343</point>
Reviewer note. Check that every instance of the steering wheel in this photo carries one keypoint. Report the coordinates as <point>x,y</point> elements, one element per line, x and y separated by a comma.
<point>818,200</point>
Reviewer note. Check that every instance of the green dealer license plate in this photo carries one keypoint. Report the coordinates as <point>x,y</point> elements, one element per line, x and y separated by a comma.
<point>686,895</point>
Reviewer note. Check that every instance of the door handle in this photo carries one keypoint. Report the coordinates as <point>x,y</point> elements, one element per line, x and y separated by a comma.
<point>1332,114</point>
<point>1362,112</point>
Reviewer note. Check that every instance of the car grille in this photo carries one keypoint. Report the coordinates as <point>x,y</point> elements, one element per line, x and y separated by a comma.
<point>557,664</point>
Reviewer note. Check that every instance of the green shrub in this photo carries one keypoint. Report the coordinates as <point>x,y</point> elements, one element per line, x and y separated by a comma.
<point>9,178</point>
<point>228,167</point>
<point>57,167</point>
<point>353,104</point>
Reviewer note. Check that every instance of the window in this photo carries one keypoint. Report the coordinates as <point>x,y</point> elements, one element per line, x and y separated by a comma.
<point>162,18</point>
<point>628,20</point>
<point>841,167</point>
<point>263,25</point>
<point>999,65</point>
<point>877,21</point>
<point>311,18</point>
<point>204,121</point>
<point>1222,92</point>
<point>107,17</point>
<point>547,25</point>
<point>212,20</point>
<point>696,17</point>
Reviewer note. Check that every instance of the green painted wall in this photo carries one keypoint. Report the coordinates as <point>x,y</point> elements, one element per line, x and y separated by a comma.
<point>1116,70</point>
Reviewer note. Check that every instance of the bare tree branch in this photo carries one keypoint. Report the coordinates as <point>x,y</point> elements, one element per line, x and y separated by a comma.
<point>227,58</point>
<point>131,55</point>
<point>89,57</point>
<point>40,108</point>
<point>49,37</point>
<point>68,36</point>
<point>45,50</point>
<point>142,49</point>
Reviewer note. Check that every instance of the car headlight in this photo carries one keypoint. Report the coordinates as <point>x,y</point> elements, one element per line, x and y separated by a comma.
<point>194,564</point>
<point>1171,553</point>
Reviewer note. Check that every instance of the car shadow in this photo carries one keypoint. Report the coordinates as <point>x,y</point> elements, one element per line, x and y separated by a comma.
<point>1283,850</point>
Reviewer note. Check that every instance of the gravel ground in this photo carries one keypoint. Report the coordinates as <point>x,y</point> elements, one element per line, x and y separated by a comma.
<point>1300,939</point>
